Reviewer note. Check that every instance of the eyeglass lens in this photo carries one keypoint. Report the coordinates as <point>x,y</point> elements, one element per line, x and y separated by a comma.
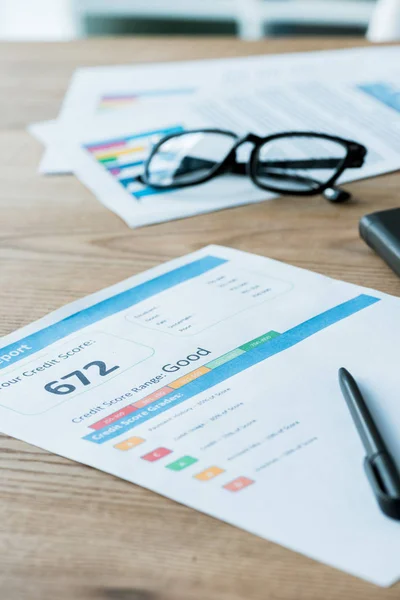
<point>300,163</point>
<point>297,163</point>
<point>188,158</point>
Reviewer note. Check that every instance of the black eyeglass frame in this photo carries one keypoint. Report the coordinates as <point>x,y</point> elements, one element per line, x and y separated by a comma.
<point>354,158</point>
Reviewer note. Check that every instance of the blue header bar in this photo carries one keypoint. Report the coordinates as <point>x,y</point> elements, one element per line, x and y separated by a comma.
<point>43,338</point>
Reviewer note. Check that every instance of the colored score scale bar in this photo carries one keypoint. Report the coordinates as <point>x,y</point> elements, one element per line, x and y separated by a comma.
<point>221,369</point>
<point>182,381</point>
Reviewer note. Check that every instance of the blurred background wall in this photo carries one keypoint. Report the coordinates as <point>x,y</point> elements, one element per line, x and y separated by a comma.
<point>249,19</point>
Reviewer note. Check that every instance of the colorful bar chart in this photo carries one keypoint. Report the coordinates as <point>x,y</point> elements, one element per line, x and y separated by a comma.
<point>123,158</point>
<point>386,93</point>
<point>224,367</point>
<point>115,101</point>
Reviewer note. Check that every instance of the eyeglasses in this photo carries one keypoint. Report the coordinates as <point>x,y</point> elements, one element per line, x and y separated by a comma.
<point>299,163</point>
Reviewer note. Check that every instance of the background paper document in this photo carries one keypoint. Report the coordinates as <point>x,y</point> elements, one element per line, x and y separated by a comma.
<point>108,152</point>
<point>212,379</point>
<point>126,88</point>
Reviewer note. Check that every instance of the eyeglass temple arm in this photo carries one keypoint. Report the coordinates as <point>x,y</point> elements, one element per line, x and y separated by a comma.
<point>191,163</point>
<point>311,163</point>
<point>333,194</point>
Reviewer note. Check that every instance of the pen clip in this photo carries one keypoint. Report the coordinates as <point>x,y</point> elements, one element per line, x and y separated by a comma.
<point>389,505</point>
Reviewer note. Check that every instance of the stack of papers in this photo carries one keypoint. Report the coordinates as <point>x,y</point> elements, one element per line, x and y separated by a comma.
<point>213,380</point>
<point>112,117</point>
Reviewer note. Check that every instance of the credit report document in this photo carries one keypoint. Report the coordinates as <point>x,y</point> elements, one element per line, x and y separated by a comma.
<point>212,380</point>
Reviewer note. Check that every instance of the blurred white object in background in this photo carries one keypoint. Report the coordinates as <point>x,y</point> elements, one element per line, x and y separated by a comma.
<point>385,22</point>
<point>66,19</point>
<point>34,20</point>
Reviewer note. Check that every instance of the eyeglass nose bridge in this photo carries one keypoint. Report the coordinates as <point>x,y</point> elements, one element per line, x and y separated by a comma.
<point>250,137</point>
<point>231,163</point>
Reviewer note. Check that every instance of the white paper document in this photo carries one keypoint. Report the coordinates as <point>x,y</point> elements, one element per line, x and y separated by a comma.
<point>108,158</point>
<point>212,380</point>
<point>124,89</point>
<point>108,153</point>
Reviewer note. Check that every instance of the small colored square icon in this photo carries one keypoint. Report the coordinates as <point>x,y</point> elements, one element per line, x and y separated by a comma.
<point>129,443</point>
<point>209,473</point>
<point>182,463</point>
<point>238,484</point>
<point>156,454</point>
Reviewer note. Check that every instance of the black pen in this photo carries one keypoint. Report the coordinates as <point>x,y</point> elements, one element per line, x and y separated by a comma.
<point>379,465</point>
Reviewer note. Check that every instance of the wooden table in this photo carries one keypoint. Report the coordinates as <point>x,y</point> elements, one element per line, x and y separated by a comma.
<point>68,532</point>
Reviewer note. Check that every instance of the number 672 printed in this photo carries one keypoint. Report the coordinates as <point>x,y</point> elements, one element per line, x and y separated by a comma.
<point>97,369</point>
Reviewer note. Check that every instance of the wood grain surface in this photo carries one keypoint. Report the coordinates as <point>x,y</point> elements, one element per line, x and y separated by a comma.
<point>68,532</point>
